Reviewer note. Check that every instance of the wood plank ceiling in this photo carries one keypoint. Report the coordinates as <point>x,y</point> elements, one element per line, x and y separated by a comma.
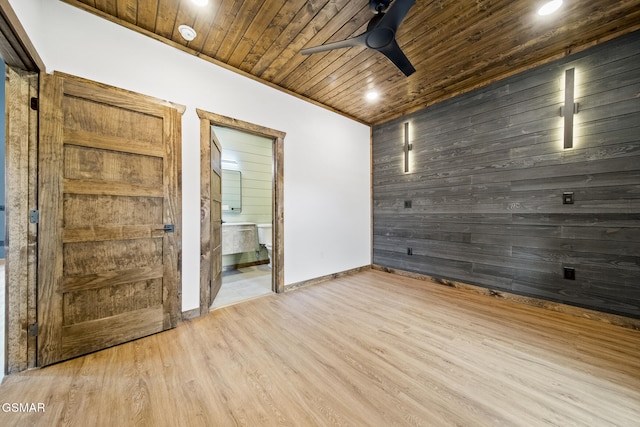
<point>455,45</point>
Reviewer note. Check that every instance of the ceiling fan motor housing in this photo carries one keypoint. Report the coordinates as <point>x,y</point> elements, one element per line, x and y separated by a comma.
<point>379,6</point>
<point>380,37</point>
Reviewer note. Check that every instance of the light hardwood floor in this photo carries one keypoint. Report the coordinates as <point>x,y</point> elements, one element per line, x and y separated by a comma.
<point>372,349</point>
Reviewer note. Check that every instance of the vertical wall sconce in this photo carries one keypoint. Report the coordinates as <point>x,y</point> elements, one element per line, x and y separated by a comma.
<point>569,108</point>
<point>407,147</point>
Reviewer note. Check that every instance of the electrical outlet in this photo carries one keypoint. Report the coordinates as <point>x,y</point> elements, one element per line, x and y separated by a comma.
<point>407,204</point>
<point>567,198</point>
<point>409,251</point>
<point>569,273</point>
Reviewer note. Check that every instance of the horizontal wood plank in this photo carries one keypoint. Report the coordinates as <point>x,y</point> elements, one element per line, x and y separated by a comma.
<point>102,233</point>
<point>90,90</point>
<point>93,335</point>
<point>110,278</point>
<point>104,188</point>
<point>105,142</point>
<point>91,209</point>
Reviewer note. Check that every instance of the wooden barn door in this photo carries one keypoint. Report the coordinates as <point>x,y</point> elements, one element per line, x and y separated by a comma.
<point>109,217</point>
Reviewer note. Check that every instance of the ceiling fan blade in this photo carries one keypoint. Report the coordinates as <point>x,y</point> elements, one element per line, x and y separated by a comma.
<point>397,56</point>
<point>352,42</point>
<point>398,10</point>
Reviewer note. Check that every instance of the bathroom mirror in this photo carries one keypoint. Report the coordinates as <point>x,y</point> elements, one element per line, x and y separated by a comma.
<point>231,191</point>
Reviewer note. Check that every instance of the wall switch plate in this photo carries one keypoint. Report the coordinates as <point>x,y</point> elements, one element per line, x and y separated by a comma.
<point>407,204</point>
<point>567,198</point>
<point>569,273</point>
<point>409,251</point>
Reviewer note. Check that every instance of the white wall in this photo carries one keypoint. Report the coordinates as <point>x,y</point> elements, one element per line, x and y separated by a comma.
<point>326,157</point>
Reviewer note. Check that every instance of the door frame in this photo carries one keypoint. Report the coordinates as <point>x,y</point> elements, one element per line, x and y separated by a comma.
<point>208,119</point>
<point>22,67</point>
<point>21,171</point>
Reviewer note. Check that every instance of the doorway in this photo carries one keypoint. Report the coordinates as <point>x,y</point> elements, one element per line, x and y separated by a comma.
<point>247,215</point>
<point>211,268</point>
<point>21,63</point>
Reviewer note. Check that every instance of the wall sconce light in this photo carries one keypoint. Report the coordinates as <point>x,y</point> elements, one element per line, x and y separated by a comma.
<point>407,147</point>
<point>569,108</point>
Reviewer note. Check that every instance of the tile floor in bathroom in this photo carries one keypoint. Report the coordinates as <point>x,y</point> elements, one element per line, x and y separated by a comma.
<point>242,284</point>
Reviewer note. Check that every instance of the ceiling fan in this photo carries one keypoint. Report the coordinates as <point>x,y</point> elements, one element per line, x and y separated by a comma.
<point>380,34</point>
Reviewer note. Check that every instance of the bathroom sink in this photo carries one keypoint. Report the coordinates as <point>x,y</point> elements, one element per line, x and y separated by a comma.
<point>238,237</point>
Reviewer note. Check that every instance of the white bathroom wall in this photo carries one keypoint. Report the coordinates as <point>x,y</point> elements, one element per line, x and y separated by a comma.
<point>253,157</point>
<point>326,156</point>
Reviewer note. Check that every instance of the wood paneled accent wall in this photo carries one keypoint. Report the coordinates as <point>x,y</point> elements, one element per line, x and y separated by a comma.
<point>486,180</point>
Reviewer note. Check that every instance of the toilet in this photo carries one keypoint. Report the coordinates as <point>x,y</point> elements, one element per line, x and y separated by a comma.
<point>264,238</point>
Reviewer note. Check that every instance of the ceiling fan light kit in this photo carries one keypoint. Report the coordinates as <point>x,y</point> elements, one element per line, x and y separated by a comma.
<point>380,35</point>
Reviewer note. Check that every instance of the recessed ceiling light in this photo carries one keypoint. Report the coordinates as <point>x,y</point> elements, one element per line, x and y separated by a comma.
<point>550,7</point>
<point>187,32</point>
<point>200,2</point>
<point>372,95</point>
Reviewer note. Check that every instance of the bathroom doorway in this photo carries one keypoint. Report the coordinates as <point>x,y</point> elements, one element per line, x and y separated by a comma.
<point>247,215</point>
<point>211,218</point>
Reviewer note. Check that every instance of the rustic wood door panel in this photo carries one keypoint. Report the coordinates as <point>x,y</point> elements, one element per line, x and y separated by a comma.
<point>216,217</point>
<point>109,165</point>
